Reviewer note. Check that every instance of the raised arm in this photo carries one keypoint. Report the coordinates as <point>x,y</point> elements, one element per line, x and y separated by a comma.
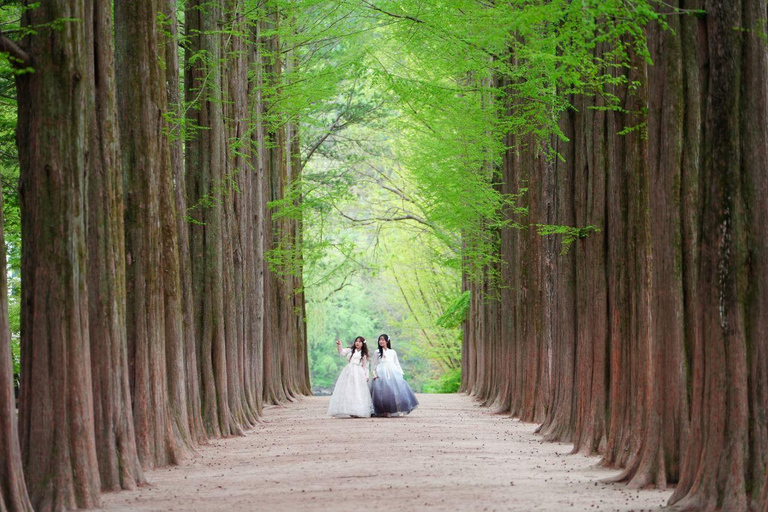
<point>342,351</point>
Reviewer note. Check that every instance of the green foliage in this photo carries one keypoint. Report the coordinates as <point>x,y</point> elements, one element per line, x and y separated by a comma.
<point>456,312</point>
<point>406,108</point>
<point>9,178</point>
<point>449,382</point>
<point>568,234</point>
<point>362,309</point>
<point>16,358</point>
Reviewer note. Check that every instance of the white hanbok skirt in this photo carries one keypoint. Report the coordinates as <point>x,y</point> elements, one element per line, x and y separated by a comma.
<point>350,394</point>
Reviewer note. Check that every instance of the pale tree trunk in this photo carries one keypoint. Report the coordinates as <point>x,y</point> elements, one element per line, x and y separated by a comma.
<point>146,168</point>
<point>258,214</point>
<point>56,412</point>
<point>119,465</point>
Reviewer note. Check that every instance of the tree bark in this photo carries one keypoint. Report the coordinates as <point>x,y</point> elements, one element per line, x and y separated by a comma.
<point>13,488</point>
<point>207,190</point>
<point>559,425</point>
<point>591,291</point>
<point>146,168</point>
<point>258,213</point>
<point>119,465</point>
<point>175,133</point>
<point>173,293</point>
<point>239,277</point>
<point>56,411</point>
<point>726,457</point>
<point>275,339</point>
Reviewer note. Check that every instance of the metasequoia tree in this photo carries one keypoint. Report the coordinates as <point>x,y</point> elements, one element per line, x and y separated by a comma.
<point>657,355</point>
<point>142,331</point>
<point>286,374</point>
<point>13,489</point>
<point>209,194</point>
<point>273,141</point>
<point>56,408</point>
<point>256,183</point>
<point>115,440</point>
<point>559,423</point>
<point>148,210</point>
<point>240,278</point>
<point>725,463</point>
<point>175,134</point>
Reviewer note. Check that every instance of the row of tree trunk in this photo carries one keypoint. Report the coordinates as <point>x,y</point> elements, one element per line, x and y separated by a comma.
<point>647,341</point>
<point>151,320</point>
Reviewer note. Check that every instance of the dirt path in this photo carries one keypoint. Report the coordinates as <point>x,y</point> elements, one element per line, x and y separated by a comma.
<point>449,454</point>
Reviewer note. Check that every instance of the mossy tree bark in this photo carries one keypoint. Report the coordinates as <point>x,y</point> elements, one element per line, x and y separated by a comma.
<point>175,134</point>
<point>160,434</point>
<point>56,405</point>
<point>119,465</point>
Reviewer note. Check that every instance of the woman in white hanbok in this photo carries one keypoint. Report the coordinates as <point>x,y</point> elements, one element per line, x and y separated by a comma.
<point>350,394</point>
<point>391,395</point>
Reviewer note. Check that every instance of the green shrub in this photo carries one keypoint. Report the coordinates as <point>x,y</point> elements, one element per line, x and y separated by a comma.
<point>16,357</point>
<point>449,382</point>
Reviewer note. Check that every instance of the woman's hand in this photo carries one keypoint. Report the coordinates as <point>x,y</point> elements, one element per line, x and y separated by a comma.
<point>338,343</point>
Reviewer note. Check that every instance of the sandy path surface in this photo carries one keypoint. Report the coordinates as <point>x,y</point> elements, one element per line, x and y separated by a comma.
<point>449,454</point>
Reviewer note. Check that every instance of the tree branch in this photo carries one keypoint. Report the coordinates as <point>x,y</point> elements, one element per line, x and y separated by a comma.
<point>20,57</point>
<point>372,220</point>
<point>393,15</point>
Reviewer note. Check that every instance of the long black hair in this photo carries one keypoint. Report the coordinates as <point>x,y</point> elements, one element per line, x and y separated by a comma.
<point>363,349</point>
<point>381,349</point>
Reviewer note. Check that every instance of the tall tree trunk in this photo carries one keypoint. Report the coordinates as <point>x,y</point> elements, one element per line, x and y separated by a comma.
<point>119,465</point>
<point>258,213</point>
<point>665,430</point>
<point>275,339</point>
<point>13,488</point>
<point>726,457</point>
<point>173,293</point>
<point>754,296</point>
<point>591,290</point>
<point>559,425</point>
<point>207,183</point>
<point>146,168</point>
<point>238,216</point>
<point>56,413</point>
<point>172,73</point>
<point>300,362</point>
